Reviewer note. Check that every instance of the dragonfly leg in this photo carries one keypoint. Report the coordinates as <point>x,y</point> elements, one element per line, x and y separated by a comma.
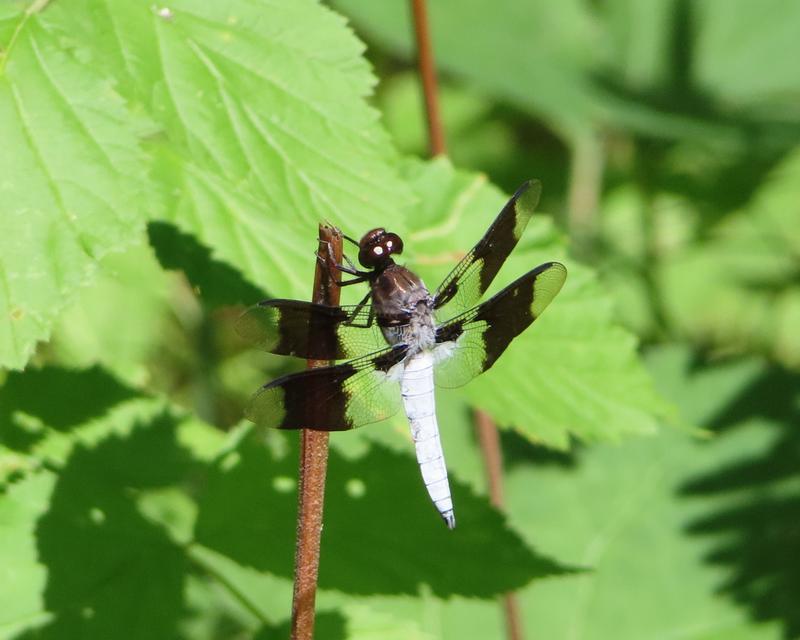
<point>353,268</point>
<point>346,283</point>
<point>357,310</point>
<point>350,269</point>
<point>353,272</point>
<point>349,239</point>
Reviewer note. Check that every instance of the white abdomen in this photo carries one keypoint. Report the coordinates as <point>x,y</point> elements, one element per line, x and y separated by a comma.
<point>417,391</point>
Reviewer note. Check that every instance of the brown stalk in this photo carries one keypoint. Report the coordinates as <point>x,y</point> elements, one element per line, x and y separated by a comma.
<point>489,439</point>
<point>427,72</point>
<point>313,463</point>
<point>486,430</point>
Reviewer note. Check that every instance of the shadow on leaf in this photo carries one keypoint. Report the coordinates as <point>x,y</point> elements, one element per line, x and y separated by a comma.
<point>519,451</point>
<point>756,528</point>
<point>217,283</point>
<point>112,572</point>
<point>59,398</point>
<point>381,536</point>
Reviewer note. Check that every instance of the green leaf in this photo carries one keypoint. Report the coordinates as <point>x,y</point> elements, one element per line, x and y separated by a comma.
<point>139,497</point>
<point>639,515</point>
<point>640,43</point>
<point>574,372</point>
<point>120,321</point>
<point>94,543</point>
<point>216,283</point>
<point>680,537</point>
<point>263,126</point>
<point>24,575</point>
<point>45,412</point>
<point>267,598</point>
<point>94,522</point>
<point>77,514</point>
<point>255,484</point>
<point>326,625</point>
<point>71,181</point>
<point>715,73</point>
<point>475,137</point>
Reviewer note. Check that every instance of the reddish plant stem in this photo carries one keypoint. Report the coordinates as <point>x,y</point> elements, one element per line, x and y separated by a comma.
<point>427,72</point>
<point>489,439</point>
<point>313,464</point>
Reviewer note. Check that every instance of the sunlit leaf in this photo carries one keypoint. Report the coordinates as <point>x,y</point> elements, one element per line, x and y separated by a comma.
<point>119,322</point>
<point>263,130</point>
<point>70,180</point>
<point>21,590</point>
<point>216,283</point>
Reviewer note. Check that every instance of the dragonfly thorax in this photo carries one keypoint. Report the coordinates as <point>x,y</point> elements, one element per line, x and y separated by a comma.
<point>404,308</point>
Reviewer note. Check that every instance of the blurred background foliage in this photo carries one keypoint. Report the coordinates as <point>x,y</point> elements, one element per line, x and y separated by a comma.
<point>161,167</point>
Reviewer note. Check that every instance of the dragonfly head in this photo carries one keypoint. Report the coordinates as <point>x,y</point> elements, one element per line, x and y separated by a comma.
<point>377,247</point>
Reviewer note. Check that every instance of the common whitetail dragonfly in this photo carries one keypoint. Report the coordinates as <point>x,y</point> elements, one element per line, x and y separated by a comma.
<point>406,337</point>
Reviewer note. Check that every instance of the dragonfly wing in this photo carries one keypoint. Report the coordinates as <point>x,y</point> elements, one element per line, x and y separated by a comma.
<point>463,288</point>
<point>471,343</point>
<point>335,398</point>
<point>308,330</point>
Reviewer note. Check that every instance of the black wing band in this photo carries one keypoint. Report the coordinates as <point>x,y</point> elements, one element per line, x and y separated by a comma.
<point>469,280</point>
<point>308,330</point>
<point>473,341</point>
<point>335,398</point>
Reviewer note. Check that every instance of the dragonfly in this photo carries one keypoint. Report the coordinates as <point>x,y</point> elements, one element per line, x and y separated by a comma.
<point>400,341</point>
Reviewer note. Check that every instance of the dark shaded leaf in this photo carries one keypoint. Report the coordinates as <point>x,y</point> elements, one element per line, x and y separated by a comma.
<point>382,536</point>
<point>215,282</point>
<point>60,399</point>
